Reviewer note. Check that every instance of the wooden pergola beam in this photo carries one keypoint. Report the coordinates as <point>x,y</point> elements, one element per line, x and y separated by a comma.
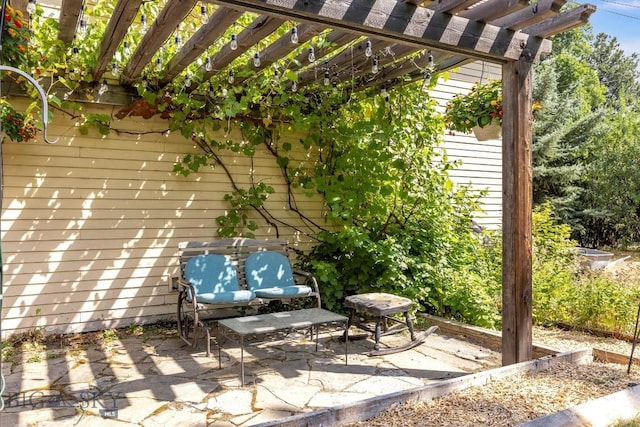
<point>218,23</point>
<point>407,24</point>
<point>69,15</point>
<point>261,27</point>
<point>167,21</point>
<point>494,9</point>
<point>123,15</point>
<point>565,21</point>
<point>532,14</point>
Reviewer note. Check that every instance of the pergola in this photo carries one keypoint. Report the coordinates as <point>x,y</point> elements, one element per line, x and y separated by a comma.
<point>367,45</point>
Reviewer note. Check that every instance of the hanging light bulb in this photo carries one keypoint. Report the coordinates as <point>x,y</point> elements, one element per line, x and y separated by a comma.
<point>143,24</point>
<point>294,86</point>
<point>327,79</point>
<point>178,40</point>
<point>312,54</point>
<point>374,66</point>
<point>234,42</point>
<point>384,94</point>
<point>31,6</point>
<point>368,51</point>
<point>427,75</point>
<point>204,14</point>
<point>115,69</point>
<point>145,83</point>
<point>430,58</point>
<point>159,66</point>
<point>82,28</point>
<point>187,81</point>
<point>208,66</point>
<point>231,78</point>
<point>126,50</point>
<point>103,87</point>
<point>256,60</point>
<point>335,89</point>
<point>72,74</point>
<point>294,35</point>
<point>76,51</point>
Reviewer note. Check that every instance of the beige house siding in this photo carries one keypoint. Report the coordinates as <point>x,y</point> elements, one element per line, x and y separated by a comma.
<point>481,160</point>
<point>91,224</point>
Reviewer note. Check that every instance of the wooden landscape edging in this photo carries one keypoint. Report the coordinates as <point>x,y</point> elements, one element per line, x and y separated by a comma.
<point>492,339</point>
<point>488,337</point>
<point>368,408</point>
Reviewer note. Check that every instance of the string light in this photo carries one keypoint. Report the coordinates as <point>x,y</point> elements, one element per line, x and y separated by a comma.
<point>125,48</point>
<point>430,58</point>
<point>104,87</point>
<point>143,23</point>
<point>187,81</point>
<point>231,78</point>
<point>115,69</point>
<point>256,60</point>
<point>159,66</point>
<point>145,83</point>
<point>294,86</point>
<point>384,94</point>
<point>427,75</point>
<point>368,51</point>
<point>234,42</point>
<point>327,78</point>
<point>374,66</point>
<point>204,14</point>
<point>31,6</point>
<point>178,40</point>
<point>335,89</point>
<point>82,30</point>
<point>76,51</point>
<point>294,35</point>
<point>312,54</point>
<point>208,66</point>
<point>72,74</point>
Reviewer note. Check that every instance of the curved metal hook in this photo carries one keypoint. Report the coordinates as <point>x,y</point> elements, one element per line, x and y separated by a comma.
<point>43,97</point>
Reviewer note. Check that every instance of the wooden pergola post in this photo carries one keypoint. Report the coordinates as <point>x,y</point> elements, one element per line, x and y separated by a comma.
<point>517,201</point>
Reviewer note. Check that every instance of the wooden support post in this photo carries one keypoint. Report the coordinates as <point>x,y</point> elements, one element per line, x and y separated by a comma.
<point>517,195</point>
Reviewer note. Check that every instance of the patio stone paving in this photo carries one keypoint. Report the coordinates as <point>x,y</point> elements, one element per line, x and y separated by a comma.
<point>163,381</point>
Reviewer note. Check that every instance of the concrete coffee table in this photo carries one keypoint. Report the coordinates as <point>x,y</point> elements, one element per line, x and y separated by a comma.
<point>381,307</point>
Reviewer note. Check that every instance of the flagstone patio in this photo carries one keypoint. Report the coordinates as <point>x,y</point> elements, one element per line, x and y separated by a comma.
<point>162,381</point>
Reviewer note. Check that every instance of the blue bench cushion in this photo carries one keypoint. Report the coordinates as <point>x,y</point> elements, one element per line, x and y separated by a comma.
<point>269,275</point>
<point>215,280</point>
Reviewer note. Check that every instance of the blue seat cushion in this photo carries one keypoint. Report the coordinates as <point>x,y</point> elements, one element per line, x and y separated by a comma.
<point>268,269</point>
<point>225,297</point>
<point>215,280</point>
<point>287,291</point>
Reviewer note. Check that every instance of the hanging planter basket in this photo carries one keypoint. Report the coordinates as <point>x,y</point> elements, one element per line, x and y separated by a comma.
<point>491,131</point>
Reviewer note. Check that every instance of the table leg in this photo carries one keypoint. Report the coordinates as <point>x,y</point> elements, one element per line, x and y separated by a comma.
<point>317,327</point>
<point>346,343</point>
<point>242,359</point>
<point>377,334</point>
<point>407,317</point>
<point>348,325</point>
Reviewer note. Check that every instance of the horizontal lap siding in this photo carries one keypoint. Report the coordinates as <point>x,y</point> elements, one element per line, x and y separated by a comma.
<point>91,224</point>
<point>481,160</point>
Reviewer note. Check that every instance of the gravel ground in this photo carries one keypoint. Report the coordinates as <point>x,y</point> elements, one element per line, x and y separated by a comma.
<point>517,399</point>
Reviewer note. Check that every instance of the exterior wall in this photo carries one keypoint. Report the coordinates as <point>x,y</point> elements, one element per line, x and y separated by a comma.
<point>481,160</point>
<point>91,225</point>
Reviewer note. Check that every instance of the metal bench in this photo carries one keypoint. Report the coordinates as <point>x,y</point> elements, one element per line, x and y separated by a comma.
<point>228,277</point>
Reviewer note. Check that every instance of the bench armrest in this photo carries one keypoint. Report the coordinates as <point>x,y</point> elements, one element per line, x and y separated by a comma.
<point>314,284</point>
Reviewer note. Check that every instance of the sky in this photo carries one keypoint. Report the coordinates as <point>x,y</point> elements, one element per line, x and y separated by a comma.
<point>618,18</point>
